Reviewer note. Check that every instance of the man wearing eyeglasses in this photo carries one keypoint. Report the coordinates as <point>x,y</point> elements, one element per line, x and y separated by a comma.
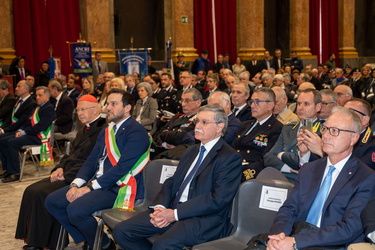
<point>329,101</point>
<point>365,147</point>
<point>284,154</point>
<point>323,209</point>
<point>257,136</point>
<point>172,134</point>
<point>193,205</point>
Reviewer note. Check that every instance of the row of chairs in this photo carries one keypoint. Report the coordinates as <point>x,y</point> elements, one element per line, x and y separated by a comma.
<point>248,216</point>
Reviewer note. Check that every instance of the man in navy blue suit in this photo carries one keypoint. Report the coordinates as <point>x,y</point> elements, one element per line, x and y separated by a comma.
<point>28,134</point>
<point>329,193</point>
<point>193,205</point>
<point>96,185</point>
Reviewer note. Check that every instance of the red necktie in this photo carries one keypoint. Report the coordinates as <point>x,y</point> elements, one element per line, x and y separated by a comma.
<point>22,74</point>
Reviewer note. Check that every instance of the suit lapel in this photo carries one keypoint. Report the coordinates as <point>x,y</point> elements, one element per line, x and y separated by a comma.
<point>346,173</point>
<point>211,155</point>
<point>315,185</point>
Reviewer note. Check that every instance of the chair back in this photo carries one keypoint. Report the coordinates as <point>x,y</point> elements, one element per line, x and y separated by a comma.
<point>152,173</point>
<point>271,173</point>
<point>253,219</point>
<point>252,212</point>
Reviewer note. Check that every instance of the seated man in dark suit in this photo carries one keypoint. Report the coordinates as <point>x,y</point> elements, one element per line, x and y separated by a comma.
<point>33,219</point>
<point>239,97</point>
<point>22,109</point>
<point>193,205</point>
<point>223,100</point>
<point>99,179</point>
<point>64,107</point>
<point>323,210</point>
<point>284,154</point>
<point>257,136</point>
<point>172,134</point>
<point>71,90</point>
<point>33,132</point>
<point>132,88</point>
<point>6,105</point>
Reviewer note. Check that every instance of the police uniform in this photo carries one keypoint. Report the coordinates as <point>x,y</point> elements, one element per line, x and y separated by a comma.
<point>364,149</point>
<point>253,145</point>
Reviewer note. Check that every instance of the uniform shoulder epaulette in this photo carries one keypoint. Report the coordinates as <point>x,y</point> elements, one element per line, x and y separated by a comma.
<point>291,123</point>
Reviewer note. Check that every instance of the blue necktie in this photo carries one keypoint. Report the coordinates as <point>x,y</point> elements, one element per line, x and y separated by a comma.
<point>188,178</point>
<point>320,199</point>
<point>114,129</point>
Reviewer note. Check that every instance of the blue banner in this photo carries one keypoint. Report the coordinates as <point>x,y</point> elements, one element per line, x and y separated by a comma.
<point>131,62</point>
<point>82,61</point>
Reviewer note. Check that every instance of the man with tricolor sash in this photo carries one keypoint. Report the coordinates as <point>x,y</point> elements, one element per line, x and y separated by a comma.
<point>35,131</point>
<point>22,108</point>
<point>110,177</point>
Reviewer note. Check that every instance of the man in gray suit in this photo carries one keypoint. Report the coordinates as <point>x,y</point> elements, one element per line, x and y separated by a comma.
<point>98,66</point>
<point>284,154</point>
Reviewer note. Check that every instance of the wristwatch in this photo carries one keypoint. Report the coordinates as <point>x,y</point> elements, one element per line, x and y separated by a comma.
<point>294,244</point>
<point>89,185</point>
<point>73,185</point>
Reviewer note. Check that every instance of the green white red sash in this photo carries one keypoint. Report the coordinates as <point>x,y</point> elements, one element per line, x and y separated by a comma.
<point>128,185</point>
<point>46,155</point>
<point>15,119</point>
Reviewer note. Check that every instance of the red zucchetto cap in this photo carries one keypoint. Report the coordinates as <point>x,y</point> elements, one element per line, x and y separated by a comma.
<point>88,98</point>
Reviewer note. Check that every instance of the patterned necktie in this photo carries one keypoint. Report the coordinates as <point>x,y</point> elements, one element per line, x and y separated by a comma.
<point>320,199</point>
<point>188,178</point>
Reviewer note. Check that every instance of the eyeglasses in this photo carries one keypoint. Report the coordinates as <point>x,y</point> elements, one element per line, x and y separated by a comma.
<point>203,122</point>
<point>186,100</point>
<point>324,104</point>
<point>334,131</point>
<point>359,112</point>
<point>84,109</point>
<point>257,102</point>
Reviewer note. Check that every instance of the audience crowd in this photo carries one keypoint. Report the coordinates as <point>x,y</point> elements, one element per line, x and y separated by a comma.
<point>316,126</point>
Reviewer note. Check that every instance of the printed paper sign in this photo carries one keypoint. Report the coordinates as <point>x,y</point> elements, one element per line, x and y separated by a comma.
<point>166,172</point>
<point>272,198</point>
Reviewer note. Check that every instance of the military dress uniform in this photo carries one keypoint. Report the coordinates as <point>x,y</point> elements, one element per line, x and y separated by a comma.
<point>167,99</point>
<point>253,141</point>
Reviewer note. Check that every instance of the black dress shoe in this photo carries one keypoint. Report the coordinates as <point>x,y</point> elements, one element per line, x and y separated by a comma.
<point>11,178</point>
<point>3,175</point>
<point>112,246</point>
<point>28,247</point>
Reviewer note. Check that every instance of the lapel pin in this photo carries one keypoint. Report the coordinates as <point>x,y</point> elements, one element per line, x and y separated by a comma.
<point>350,172</point>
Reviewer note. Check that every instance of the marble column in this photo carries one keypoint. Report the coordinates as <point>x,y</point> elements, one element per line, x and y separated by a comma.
<point>97,27</point>
<point>179,26</point>
<point>6,32</point>
<point>346,29</point>
<point>299,28</point>
<point>250,28</point>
